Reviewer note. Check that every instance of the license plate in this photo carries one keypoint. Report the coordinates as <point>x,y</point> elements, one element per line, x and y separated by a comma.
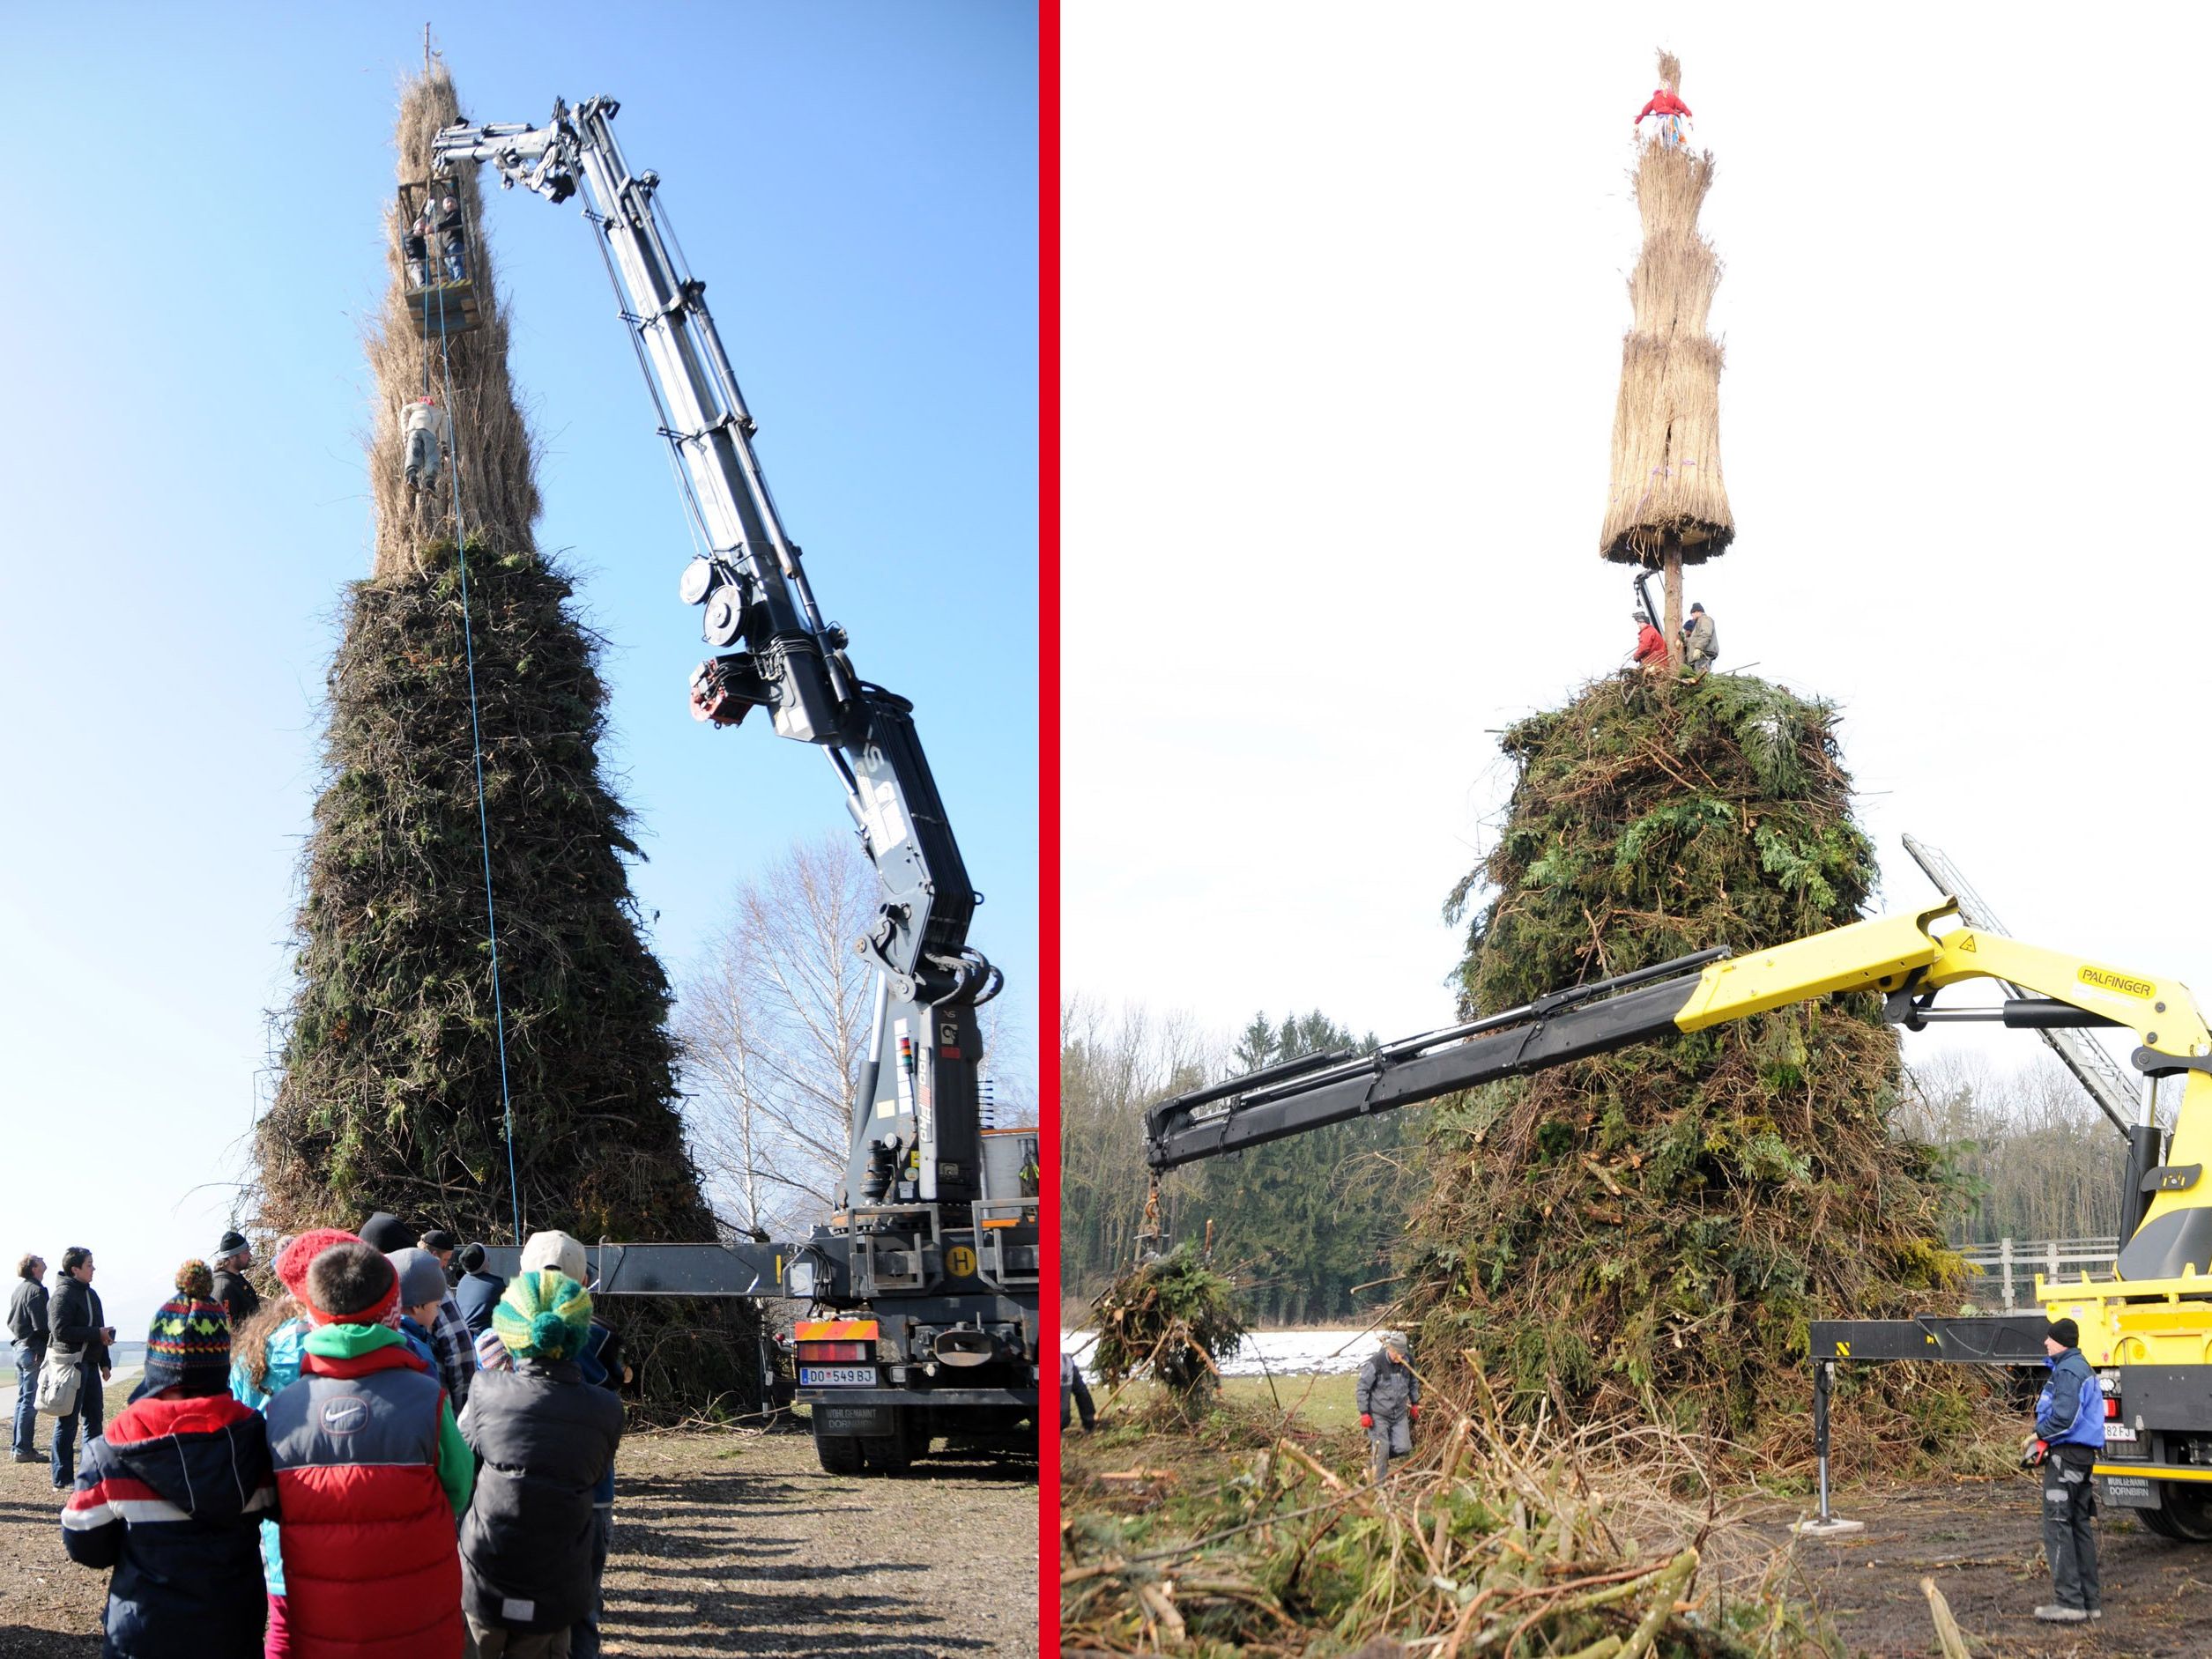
<point>836,1377</point>
<point>2118,1431</point>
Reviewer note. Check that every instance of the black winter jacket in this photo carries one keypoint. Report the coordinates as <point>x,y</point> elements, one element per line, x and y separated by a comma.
<point>239,1297</point>
<point>75,1319</point>
<point>546,1438</point>
<point>172,1498</point>
<point>27,1313</point>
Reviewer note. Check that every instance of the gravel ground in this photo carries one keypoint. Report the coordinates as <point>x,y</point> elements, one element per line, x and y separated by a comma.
<point>725,1542</point>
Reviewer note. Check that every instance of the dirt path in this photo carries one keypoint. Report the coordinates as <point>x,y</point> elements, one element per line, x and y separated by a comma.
<point>1981,1542</point>
<point>723,1543</point>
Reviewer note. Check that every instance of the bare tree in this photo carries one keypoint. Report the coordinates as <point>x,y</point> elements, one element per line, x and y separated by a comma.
<point>773,1021</point>
<point>2038,1158</point>
<point>1114,1064</point>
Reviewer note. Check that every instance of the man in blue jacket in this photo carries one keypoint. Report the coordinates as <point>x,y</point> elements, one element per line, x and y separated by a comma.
<point>2069,1438</point>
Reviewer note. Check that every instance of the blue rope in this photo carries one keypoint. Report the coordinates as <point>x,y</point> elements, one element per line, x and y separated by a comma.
<point>476,740</point>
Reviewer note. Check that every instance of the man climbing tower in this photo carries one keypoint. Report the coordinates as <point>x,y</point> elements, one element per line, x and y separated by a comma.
<point>1672,113</point>
<point>1701,641</point>
<point>1651,645</point>
<point>430,433</point>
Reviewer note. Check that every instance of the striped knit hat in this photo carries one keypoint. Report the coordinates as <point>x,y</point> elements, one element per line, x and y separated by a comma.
<point>188,1345</point>
<point>542,1315</point>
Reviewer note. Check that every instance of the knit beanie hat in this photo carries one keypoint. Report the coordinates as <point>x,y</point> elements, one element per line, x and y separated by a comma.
<point>188,1343</point>
<point>387,1231</point>
<point>555,1250</point>
<point>351,1284</point>
<point>421,1276</point>
<point>296,1256</point>
<point>542,1315</point>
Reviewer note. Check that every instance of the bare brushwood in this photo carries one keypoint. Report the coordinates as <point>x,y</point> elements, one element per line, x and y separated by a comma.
<point>495,455</point>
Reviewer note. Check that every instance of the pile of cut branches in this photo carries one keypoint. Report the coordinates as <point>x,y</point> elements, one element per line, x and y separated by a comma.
<point>1499,1539</point>
<point>1172,1313</point>
<point>1652,1231</point>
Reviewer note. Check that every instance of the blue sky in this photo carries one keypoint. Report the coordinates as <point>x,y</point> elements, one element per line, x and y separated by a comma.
<point>182,297</point>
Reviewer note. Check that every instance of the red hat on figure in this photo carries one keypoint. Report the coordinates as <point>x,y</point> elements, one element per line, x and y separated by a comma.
<point>296,1257</point>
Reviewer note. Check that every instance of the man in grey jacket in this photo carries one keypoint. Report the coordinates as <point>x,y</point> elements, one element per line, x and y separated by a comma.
<point>1701,641</point>
<point>1389,1399</point>
<point>27,1324</point>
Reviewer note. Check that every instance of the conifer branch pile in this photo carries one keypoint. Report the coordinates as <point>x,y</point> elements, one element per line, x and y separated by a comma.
<point>1654,1229</point>
<point>1174,1314</point>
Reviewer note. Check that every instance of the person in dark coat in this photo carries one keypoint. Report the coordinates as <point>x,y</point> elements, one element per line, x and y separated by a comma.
<point>414,243</point>
<point>26,1326</point>
<point>451,243</point>
<point>233,1256</point>
<point>171,1496</point>
<point>603,1367</point>
<point>1389,1399</point>
<point>73,1318</point>
<point>478,1292</point>
<point>1075,1396</point>
<point>546,1439</point>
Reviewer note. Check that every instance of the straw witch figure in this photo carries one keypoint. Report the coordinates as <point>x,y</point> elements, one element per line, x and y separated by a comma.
<point>1669,507</point>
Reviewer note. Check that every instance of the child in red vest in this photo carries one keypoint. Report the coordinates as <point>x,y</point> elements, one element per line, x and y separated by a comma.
<point>371,1473</point>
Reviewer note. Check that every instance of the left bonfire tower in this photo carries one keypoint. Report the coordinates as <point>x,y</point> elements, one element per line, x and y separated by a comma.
<point>396,1093</point>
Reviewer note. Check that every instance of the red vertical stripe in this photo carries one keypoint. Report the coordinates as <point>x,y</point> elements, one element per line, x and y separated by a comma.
<point>1048,816</point>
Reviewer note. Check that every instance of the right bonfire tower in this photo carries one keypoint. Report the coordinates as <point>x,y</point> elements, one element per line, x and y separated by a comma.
<point>1669,505</point>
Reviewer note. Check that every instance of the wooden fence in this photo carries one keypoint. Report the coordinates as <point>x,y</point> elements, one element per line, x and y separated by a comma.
<point>2009,1266</point>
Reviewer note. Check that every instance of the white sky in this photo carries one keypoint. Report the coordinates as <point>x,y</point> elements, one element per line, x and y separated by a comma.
<point>1344,298</point>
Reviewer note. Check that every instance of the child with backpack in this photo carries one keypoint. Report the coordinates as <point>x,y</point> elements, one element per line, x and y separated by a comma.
<point>532,1541</point>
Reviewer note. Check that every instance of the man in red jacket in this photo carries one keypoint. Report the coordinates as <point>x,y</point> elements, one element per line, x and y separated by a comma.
<point>370,1474</point>
<point>1651,645</point>
<point>1672,112</point>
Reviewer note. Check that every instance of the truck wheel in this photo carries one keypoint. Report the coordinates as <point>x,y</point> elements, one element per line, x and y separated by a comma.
<point>2185,1513</point>
<point>887,1454</point>
<point>840,1454</point>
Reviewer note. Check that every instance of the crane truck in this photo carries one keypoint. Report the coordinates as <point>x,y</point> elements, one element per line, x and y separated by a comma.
<point>2147,1329</point>
<point>923,1282</point>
